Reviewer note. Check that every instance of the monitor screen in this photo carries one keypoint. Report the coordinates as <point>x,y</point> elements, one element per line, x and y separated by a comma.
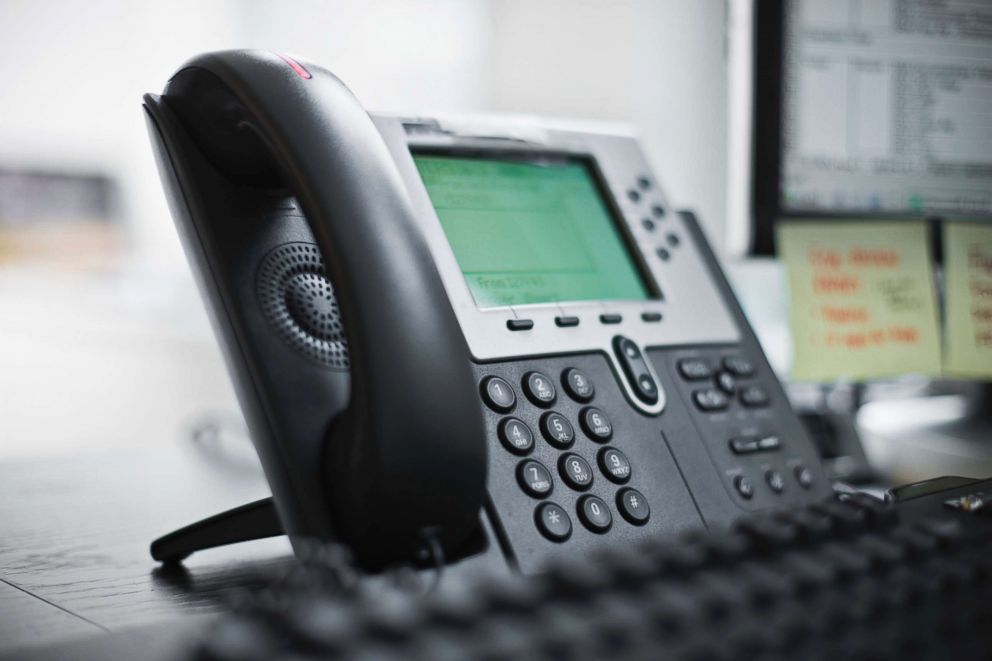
<point>886,107</point>
<point>530,230</point>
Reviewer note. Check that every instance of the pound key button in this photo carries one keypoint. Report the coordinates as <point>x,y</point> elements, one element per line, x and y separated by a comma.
<point>633,506</point>
<point>595,424</point>
<point>498,394</point>
<point>539,389</point>
<point>515,436</point>
<point>553,522</point>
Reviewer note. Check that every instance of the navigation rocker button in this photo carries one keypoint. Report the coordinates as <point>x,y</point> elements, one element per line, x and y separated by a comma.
<point>539,389</point>
<point>633,506</point>
<point>553,522</point>
<point>498,394</point>
<point>595,514</point>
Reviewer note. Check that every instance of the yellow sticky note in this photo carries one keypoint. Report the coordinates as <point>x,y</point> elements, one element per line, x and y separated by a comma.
<point>862,301</point>
<point>968,299</point>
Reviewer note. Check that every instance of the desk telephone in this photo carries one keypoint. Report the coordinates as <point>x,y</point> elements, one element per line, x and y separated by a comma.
<point>475,340</point>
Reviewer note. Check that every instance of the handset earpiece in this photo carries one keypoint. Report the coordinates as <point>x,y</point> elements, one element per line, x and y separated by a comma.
<point>408,453</point>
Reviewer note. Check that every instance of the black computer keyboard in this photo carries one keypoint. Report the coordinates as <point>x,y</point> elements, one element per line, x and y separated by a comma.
<point>850,578</point>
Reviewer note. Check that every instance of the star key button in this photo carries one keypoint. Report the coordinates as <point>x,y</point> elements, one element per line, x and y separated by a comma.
<point>553,522</point>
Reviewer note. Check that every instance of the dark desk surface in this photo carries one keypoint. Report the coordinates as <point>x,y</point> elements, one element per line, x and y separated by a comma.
<point>74,535</point>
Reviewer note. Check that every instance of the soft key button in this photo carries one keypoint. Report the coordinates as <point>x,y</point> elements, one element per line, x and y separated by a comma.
<point>632,361</point>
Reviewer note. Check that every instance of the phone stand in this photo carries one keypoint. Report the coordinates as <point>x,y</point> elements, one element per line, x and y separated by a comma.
<point>255,520</point>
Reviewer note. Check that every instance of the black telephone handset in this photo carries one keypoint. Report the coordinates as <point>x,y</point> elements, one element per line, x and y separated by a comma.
<point>526,352</point>
<point>377,459</point>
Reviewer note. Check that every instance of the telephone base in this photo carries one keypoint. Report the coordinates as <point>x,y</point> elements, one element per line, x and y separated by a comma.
<point>255,520</point>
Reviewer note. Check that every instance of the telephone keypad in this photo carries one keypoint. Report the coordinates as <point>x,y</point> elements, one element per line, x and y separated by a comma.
<point>516,436</point>
<point>577,385</point>
<point>534,478</point>
<point>498,394</point>
<point>557,430</point>
<point>633,506</point>
<point>575,471</point>
<point>595,424</point>
<point>614,465</point>
<point>595,514</point>
<point>539,389</point>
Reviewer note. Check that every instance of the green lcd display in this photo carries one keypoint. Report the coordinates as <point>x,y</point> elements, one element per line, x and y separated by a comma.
<point>530,231</point>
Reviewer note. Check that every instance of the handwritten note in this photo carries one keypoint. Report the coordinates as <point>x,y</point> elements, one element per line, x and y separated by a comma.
<point>862,299</point>
<point>968,299</point>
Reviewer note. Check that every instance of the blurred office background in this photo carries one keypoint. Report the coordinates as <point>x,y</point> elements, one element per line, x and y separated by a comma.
<point>103,339</point>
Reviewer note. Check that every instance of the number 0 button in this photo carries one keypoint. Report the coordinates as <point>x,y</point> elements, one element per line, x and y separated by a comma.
<point>575,471</point>
<point>534,478</point>
<point>539,389</point>
<point>498,394</point>
<point>557,430</point>
<point>553,522</point>
<point>515,436</point>
<point>595,424</point>
<point>614,465</point>
<point>633,506</point>
<point>594,514</point>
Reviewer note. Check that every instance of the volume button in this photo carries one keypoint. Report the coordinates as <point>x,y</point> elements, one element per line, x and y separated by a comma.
<point>636,369</point>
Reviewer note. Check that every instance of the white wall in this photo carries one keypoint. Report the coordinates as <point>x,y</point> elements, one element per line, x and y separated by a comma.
<point>658,64</point>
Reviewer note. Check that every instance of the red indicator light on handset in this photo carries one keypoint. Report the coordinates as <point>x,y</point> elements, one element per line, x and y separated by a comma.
<point>296,66</point>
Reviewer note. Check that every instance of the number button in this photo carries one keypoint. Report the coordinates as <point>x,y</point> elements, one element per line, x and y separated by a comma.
<point>577,385</point>
<point>595,514</point>
<point>633,506</point>
<point>553,522</point>
<point>498,394</point>
<point>534,478</point>
<point>575,471</point>
<point>595,424</point>
<point>557,430</point>
<point>539,389</point>
<point>614,465</point>
<point>515,436</point>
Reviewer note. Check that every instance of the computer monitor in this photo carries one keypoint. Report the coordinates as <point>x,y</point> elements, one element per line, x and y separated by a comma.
<point>870,109</point>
